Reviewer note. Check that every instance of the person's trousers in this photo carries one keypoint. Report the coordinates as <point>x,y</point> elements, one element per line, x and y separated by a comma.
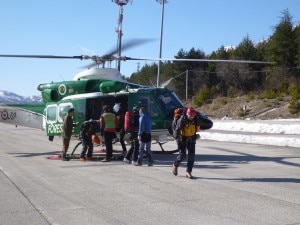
<point>122,142</point>
<point>66,143</point>
<point>87,146</point>
<point>108,137</point>
<point>188,145</point>
<point>148,150</point>
<point>133,152</point>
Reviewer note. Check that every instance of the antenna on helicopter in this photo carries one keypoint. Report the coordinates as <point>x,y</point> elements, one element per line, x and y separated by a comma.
<point>120,3</point>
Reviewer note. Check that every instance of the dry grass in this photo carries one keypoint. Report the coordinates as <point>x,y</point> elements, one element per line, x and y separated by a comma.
<point>233,108</point>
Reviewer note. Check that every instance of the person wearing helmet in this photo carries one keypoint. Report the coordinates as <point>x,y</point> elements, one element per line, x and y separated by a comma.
<point>120,127</point>
<point>185,134</point>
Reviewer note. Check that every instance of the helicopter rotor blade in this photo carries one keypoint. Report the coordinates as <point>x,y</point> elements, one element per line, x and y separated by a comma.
<point>98,60</point>
<point>197,60</point>
<point>81,57</point>
<point>129,44</point>
<point>108,57</point>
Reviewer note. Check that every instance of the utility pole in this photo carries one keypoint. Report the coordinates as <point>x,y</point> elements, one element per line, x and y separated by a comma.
<point>161,37</point>
<point>186,84</point>
<point>120,3</point>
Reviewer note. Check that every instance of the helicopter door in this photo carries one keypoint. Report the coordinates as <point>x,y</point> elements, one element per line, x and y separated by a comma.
<point>94,106</point>
<point>52,127</point>
<point>54,117</point>
<point>123,100</point>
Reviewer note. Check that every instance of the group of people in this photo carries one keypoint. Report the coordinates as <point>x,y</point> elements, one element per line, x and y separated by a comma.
<point>108,124</point>
<point>138,124</point>
<point>139,128</point>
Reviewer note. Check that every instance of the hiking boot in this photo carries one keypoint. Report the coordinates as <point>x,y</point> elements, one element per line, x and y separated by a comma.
<point>82,159</point>
<point>64,157</point>
<point>189,175</point>
<point>150,163</point>
<point>126,160</point>
<point>105,160</point>
<point>175,170</point>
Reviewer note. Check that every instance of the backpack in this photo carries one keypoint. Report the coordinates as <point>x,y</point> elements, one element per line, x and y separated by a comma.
<point>131,122</point>
<point>128,121</point>
<point>177,114</point>
<point>91,126</point>
<point>85,126</point>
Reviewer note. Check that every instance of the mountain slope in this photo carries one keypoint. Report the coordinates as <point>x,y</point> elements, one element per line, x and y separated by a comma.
<point>265,109</point>
<point>7,97</point>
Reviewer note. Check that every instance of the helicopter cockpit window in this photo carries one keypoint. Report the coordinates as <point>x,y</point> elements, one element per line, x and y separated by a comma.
<point>51,113</point>
<point>168,101</point>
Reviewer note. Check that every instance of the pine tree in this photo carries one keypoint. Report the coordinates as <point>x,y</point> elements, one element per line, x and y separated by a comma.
<point>282,45</point>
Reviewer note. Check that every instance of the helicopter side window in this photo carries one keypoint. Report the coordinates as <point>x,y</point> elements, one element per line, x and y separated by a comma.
<point>63,110</point>
<point>144,102</point>
<point>150,106</point>
<point>154,110</point>
<point>51,113</point>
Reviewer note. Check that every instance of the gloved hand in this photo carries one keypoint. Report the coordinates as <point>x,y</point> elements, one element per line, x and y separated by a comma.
<point>196,137</point>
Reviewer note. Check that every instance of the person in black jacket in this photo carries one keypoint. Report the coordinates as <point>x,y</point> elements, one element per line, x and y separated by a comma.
<point>120,128</point>
<point>87,130</point>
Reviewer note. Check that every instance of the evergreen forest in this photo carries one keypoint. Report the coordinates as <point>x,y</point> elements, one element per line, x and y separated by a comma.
<point>209,80</point>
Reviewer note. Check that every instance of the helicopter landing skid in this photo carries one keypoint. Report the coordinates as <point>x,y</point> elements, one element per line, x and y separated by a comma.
<point>118,157</point>
<point>164,151</point>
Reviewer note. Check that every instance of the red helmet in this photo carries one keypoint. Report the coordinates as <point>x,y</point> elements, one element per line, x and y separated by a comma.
<point>191,112</point>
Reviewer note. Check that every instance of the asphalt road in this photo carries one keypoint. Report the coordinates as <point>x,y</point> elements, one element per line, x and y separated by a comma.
<point>235,184</point>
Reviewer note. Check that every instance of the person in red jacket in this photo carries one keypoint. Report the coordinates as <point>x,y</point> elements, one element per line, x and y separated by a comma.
<point>133,128</point>
<point>108,125</point>
<point>185,133</point>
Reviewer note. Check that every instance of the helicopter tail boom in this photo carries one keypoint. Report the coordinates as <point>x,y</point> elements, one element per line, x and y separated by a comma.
<point>19,116</point>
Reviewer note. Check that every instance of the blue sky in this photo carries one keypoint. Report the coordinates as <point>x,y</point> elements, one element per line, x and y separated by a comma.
<point>65,27</point>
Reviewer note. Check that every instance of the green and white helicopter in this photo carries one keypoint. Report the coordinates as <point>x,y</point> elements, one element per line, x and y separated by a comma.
<point>93,88</point>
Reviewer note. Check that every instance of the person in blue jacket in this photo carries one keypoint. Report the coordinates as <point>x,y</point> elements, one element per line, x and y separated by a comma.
<point>144,137</point>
